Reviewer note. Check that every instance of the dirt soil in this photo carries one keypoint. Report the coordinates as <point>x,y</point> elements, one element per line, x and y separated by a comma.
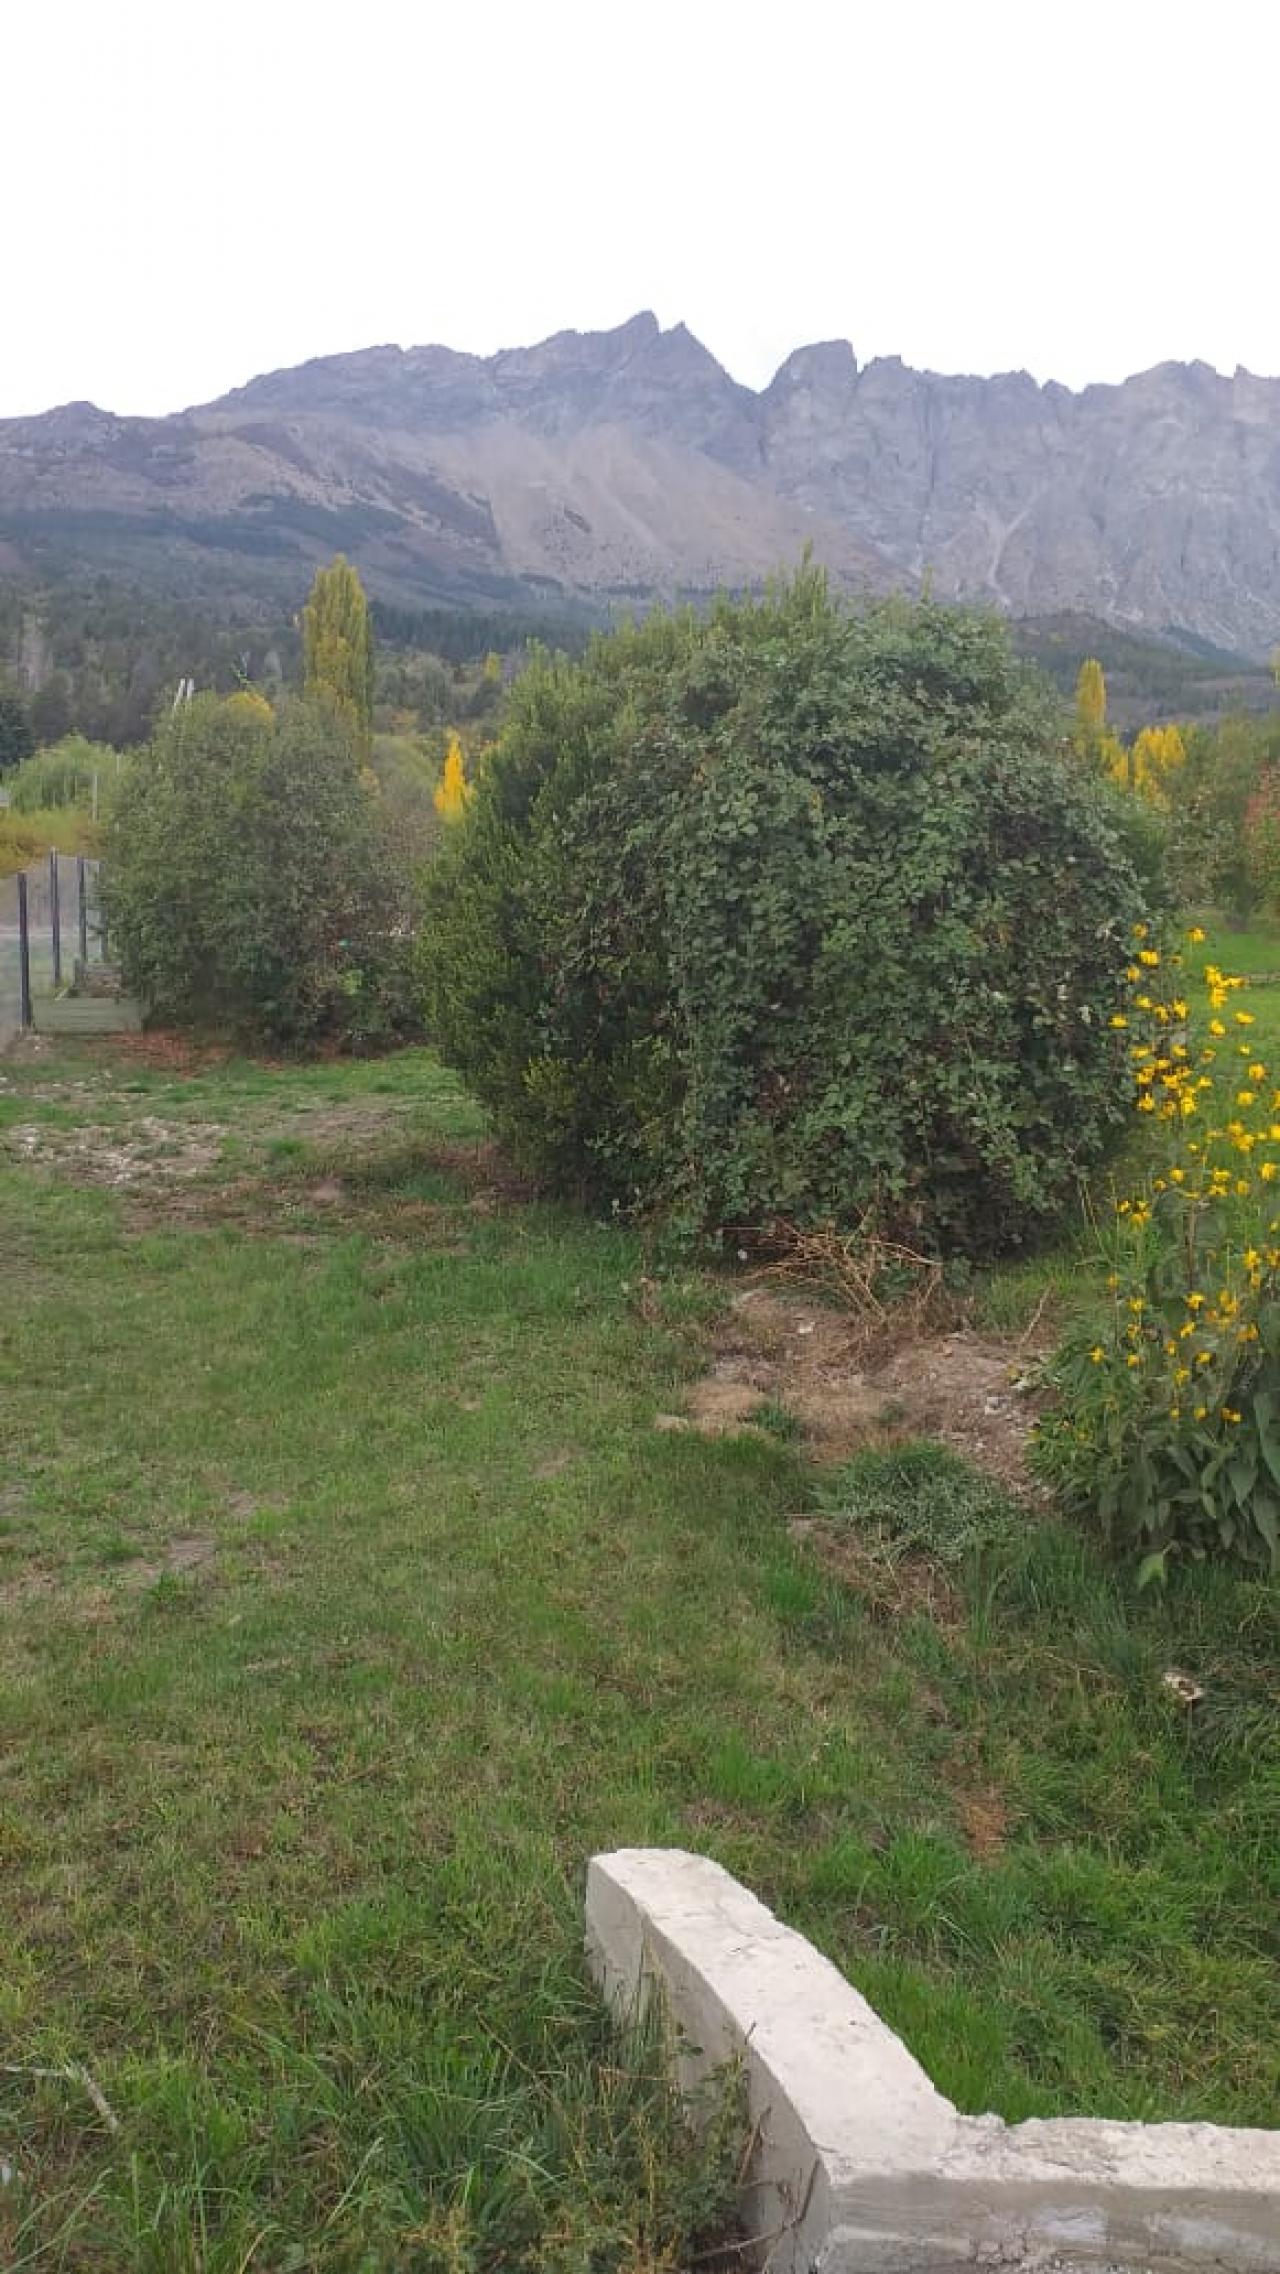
<point>819,1365</point>
<point>148,1152</point>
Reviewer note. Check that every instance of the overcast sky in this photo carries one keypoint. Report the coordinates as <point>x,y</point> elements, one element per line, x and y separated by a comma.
<point>193,194</point>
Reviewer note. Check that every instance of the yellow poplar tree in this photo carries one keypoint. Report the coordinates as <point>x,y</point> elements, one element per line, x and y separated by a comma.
<point>453,793</point>
<point>1156,755</point>
<point>1092,737</point>
<point>337,650</point>
<point>1091,700</point>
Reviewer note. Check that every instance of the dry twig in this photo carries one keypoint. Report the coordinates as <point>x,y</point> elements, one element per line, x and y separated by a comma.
<point>73,2073</point>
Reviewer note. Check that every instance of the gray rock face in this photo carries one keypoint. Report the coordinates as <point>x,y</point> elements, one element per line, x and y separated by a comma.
<point>629,461</point>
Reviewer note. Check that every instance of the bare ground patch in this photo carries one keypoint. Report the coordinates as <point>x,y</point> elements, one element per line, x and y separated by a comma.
<point>847,1391</point>
<point>893,1587</point>
<point>147,1152</point>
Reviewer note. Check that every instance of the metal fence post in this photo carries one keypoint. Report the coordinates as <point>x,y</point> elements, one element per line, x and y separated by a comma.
<point>55,920</point>
<point>82,910</point>
<point>24,954</point>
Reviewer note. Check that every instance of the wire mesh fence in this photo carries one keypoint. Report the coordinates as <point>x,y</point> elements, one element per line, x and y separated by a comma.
<point>51,934</point>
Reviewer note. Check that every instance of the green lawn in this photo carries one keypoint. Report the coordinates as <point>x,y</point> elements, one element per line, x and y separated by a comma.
<point>349,1599</point>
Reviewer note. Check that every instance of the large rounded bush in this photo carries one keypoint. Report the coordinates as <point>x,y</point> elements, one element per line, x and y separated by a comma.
<point>251,883</point>
<point>790,912</point>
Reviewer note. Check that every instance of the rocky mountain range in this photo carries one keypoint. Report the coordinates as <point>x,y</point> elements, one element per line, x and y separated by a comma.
<point>615,465</point>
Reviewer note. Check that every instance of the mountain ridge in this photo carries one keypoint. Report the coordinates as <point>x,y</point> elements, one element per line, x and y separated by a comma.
<point>629,463</point>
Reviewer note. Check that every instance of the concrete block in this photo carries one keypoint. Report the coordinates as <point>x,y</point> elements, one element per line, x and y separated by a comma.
<point>861,2166</point>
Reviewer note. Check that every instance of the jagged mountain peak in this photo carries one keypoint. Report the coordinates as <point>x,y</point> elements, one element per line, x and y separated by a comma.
<point>628,460</point>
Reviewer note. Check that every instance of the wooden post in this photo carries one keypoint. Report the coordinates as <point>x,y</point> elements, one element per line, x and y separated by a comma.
<point>24,954</point>
<point>55,920</point>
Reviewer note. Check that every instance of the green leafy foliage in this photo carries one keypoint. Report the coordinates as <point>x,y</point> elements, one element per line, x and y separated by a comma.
<point>1262,840</point>
<point>337,650</point>
<point>64,775</point>
<point>17,736</point>
<point>790,912</point>
<point>1161,1477</point>
<point>1167,1430</point>
<point>26,838</point>
<point>252,885</point>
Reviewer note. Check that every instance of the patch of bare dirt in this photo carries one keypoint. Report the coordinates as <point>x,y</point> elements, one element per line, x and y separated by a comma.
<point>984,1821</point>
<point>168,1052</point>
<point>555,1464</point>
<point>892,1587</point>
<point>821,1365</point>
<point>970,1392</point>
<point>80,1599</point>
<point>187,1553</point>
<point>148,1153</point>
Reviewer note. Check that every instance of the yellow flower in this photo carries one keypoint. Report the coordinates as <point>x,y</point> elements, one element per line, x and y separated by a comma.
<point>1244,1018</point>
<point>1257,1072</point>
<point>1229,1413</point>
<point>1134,1358</point>
<point>1194,1302</point>
<point>1201,1411</point>
<point>1267,1172</point>
<point>1140,931</point>
<point>1196,935</point>
<point>1149,956</point>
<point>1216,1027</point>
<point>1119,1019</point>
<point>1097,1354</point>
<point>1246,1097</point>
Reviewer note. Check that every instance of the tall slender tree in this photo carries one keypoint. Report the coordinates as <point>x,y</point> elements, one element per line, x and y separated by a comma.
<point>1091,699</point>
<point>1091,735</point>
<point>337,650</point>
<point>453,792</point>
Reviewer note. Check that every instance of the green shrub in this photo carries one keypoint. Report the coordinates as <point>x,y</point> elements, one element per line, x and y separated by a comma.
<point>789,913</point>
<point>63,775</point>
<point>250,882</point>
<point>1167,1429</point>
<point>1262,840</point>
<point>26,838</point>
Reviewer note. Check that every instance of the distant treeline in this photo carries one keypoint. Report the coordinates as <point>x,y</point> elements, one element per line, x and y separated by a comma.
<point>467,636</point>
<point>1147,680</point>
<point>99,657</point>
